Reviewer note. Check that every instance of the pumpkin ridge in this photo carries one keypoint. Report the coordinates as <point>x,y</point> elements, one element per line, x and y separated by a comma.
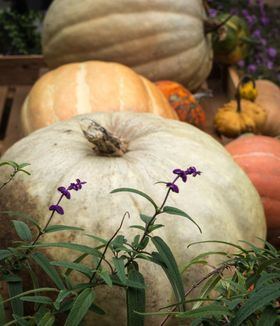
<point>108,16</point>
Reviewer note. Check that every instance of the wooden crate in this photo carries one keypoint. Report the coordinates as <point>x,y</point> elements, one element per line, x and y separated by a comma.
<point>17,75</point>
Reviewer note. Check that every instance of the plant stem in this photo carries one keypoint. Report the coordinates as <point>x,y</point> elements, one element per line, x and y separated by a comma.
<point>107,246</point>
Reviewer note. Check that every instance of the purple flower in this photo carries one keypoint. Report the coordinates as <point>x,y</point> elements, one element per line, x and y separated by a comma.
<point>192,170</point>
<point>269,65</point>
<point>252,68</point>
<point>264,20</point>
<point>213,12</point>
<point>241,63</point>
<point>172,187</point>
<point>181,174</point>
<point>57,208</point>
<point>257,33</point>
<point>64,191</point>
<point>76,186</point>
<point>272,52</point>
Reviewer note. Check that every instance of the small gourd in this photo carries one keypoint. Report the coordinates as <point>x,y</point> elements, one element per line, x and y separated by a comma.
<point>239,116</point>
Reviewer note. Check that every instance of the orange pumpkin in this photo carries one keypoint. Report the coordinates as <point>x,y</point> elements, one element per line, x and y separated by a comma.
<point>92,86</point>
<point>183,102</point>
<point>259,156</point>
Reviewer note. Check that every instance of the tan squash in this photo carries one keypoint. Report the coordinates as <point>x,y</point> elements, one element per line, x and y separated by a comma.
<point>269,98</point>
<point>160,39</point>
<point>90,87</point>
<point>222,200</point>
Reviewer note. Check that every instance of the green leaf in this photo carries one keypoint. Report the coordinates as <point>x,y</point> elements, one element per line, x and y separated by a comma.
<point>58,228</point>
<point>144,243</point>
<point>80,307</point>
<point>20,321</point>
<point>207,311</point>
<point>61,296</point>
<point>97,238</point>
<point>44,263</point>
<point>175,211</point>
<point>140,227</point>
<point>74,266</point>
<point>47,320</point>
<point>2,311</point>
<point>135,241</point>
<point>119,265</point>
<point>257,300</point>
<point>106,277</point>
<point>22,216</point>
<point>136,299</point>
<point>37,299</point>
<point>22,230</point>
<point>72,246</point>
<point>11,163</point>
<point>140,193</point>
<point>218,241</point>
<point>96,309</point>
<point>268,317</point>
<point>15,288</point>
<point>145,218</point>
<point>23,165</point>
<point>30,292</point>
<point>4,253</point>
<point>155,227</point>
<point>171,269</point>
<point>77,260</point>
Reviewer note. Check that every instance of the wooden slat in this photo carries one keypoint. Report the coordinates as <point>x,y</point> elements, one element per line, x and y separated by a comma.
<point>20,70</point>
<point>3,94</point>
<point>14,132</point>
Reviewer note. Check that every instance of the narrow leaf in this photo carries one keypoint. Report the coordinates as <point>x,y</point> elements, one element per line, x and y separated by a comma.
<point>44,263</point>
<point>61,296</point>
<point>145,218</point>
<point>37,299</point>
<point>47,320</point>
<point>136,192</point>
<point>119,265</point>
<point>57,228</point>
<point>211,310</point>
<point>15,288</point>
<point>72,246</point>
<point>96,309</point>
<point>30,292</point>
<point>80,307</point>
<point>171,269</point>
<point>268,317</point>
<point>256,301</point>
<point>136,300</point>
<point>2,311</point>
<point>218,241</point>
<point>22,216</point>
<point>106,277</point>
<point>175,211</point>
<point>4,254</point>
<point>140,227</point>
<point>74,266</point>
<point>22,230</point>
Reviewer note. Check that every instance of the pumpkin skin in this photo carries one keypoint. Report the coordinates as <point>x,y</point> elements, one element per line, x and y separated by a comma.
<point>183,102</point>
<point>222,201</point>
<point>161,39</point>
<point>259,156</point>
<point>269,98</point>
<point>87,87</point>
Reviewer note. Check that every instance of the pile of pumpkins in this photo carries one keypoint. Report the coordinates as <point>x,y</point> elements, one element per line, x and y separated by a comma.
<point>105,55</point>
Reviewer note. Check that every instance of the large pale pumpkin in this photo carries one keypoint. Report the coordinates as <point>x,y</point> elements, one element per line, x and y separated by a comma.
<point>90,87</point>
<point>163,39</point>
<point>259,156</point>
<point>222,200</point>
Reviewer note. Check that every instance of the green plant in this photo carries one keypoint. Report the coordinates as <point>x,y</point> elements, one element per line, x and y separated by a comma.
<point>120,269</point>
<point>19,33</point>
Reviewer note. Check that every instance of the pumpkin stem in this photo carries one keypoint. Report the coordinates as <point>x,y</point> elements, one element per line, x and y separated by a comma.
<point>244,79</point>
<point>105,143</point>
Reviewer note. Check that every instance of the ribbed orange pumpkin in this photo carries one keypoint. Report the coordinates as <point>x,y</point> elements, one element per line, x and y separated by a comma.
<point>183,102</point>
<point>87,87</point>
<point>259,156</point>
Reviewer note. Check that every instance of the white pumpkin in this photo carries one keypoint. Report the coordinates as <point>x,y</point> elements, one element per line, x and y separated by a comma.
<point>222,200</point>
<point>163,39</point>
